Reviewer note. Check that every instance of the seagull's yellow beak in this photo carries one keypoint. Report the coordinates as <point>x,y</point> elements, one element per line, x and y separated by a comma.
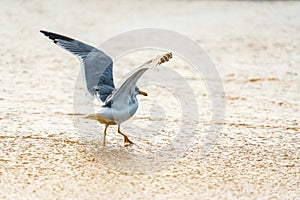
<point>143,93</point>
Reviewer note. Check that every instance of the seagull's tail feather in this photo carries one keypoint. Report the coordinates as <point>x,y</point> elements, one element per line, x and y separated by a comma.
<point>91,116</point>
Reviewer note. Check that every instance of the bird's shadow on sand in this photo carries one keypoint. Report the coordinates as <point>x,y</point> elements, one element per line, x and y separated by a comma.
<point>133,159</point>
<point>150,152</point>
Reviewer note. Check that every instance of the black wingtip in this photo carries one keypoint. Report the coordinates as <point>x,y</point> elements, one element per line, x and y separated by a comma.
<point>42,31</point>
<point>46,33</point>
<point>55,36</point>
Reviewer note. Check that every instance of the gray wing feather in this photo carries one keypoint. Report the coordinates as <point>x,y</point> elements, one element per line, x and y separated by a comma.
<point>121,97</point>
<point>97,66</point>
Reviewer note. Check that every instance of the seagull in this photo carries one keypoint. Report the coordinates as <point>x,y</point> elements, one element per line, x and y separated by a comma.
<point>119,104</point>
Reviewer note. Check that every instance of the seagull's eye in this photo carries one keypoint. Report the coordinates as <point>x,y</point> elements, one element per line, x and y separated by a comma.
<point>96,88</point>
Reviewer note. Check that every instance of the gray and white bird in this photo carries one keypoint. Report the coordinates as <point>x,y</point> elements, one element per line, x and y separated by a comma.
<point>119,104</point>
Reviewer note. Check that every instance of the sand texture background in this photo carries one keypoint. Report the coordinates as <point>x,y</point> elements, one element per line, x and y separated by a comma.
<point>255,48</point>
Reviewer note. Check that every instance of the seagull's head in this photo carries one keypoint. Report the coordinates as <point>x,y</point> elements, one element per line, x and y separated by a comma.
<point>138,91</point>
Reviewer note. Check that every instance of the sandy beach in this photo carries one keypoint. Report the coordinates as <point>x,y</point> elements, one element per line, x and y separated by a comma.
<point>254,46</point>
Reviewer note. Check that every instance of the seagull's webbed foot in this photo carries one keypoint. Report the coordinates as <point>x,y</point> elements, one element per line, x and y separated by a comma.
<point>126,140</point>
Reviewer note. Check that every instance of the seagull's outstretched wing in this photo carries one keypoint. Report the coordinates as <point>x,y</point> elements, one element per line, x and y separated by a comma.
<point>121,97</point>
<point>97,66</point>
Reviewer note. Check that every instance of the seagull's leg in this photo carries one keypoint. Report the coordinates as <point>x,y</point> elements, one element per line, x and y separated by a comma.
<point>104,135</point>
<point>125,136</point>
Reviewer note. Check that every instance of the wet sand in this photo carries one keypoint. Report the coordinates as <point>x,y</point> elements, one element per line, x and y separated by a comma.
<point>255,48</point>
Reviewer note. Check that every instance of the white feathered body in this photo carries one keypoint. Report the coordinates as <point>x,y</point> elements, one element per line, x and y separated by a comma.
<point>114,115</point>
